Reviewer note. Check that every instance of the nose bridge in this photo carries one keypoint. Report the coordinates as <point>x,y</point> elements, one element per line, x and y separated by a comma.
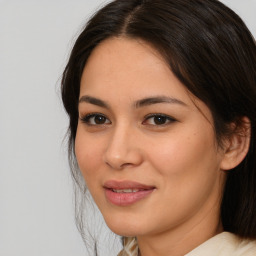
<point>122,148</point>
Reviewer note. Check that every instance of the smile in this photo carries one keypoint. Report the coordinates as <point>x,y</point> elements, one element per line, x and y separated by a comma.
<point>126,193</point>
<point>125,190</point>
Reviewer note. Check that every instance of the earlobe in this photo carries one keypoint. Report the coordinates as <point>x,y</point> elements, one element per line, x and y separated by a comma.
<point>237,145</point>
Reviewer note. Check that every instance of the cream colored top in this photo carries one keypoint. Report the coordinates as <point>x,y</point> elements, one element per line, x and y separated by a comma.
<point>225,244</point>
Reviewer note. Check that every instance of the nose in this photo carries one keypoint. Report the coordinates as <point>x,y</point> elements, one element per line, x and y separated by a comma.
<point>123,149</point>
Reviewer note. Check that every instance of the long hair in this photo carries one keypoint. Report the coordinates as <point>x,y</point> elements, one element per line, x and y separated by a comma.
<point>211,51</point>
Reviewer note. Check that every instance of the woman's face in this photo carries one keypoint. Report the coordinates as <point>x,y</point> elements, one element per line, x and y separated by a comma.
<point>145,146</point>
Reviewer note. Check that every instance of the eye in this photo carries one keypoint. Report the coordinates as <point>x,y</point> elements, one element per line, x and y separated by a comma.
<point>158,119</point>
<point>95,119</point>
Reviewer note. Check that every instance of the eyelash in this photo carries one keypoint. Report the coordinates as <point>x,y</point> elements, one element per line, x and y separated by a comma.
<point>86,119</point>
<point>167,119</point>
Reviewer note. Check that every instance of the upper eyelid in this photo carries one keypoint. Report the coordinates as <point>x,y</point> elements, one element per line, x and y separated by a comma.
<point>90,115</point>
<point>146,117</point>
<point>169,120</point>
<point>159,114</point>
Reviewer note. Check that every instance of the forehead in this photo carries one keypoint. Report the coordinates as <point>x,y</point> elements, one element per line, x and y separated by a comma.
<point>122,70</point>
<point>124,54</point>
<point>120,62</point>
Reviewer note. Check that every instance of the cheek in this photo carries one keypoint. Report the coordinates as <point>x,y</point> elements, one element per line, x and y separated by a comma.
<point>88,154</point>
<point>188,169</point>
<point>191,148</point>
<point>186,164</point>
<point>89,158</point>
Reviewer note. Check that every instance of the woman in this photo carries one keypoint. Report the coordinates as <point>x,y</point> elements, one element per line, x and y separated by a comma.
<point>161,97</point>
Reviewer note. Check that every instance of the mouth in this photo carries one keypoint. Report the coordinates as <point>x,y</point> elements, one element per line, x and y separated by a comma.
<point>125,190</point>
<point>124,193</point>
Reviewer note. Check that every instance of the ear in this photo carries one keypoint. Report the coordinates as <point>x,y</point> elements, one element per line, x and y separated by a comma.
<point>237,145</point>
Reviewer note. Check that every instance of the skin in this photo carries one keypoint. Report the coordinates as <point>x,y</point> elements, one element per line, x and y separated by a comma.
<point>179,157</point>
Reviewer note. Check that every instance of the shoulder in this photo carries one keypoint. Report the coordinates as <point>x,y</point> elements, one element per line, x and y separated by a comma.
<point>245,248</point>
<point>225,244</point>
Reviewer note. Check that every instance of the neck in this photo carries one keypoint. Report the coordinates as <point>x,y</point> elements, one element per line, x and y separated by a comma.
<point>179,241</point>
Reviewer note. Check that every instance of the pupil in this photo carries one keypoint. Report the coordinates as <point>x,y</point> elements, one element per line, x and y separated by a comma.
<point>159,119</point>
<point>100,119</point>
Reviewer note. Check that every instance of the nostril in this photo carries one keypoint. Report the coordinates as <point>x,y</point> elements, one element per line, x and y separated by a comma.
<point>130,159</point>
<point>117,163</point>
<point>122,151</point>
<point>126,165</point>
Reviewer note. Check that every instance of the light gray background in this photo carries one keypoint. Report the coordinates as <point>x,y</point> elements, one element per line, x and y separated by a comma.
<point>36,209</point>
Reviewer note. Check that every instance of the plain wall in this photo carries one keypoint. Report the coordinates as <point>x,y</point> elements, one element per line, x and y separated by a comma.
<point>36,207</point>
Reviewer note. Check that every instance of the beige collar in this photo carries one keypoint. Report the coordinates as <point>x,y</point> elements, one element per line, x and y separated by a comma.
<point>225,244</point>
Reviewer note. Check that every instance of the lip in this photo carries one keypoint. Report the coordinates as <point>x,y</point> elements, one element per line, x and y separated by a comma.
<point>137,192</point>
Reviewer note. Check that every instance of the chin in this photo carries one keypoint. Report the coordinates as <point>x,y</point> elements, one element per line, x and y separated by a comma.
<point>124,226</point>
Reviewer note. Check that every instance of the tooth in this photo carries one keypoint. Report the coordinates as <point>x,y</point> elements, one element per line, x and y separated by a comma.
<point>125,190</point>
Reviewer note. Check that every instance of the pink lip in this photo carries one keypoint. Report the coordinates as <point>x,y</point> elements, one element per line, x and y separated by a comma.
<point>124,198</point>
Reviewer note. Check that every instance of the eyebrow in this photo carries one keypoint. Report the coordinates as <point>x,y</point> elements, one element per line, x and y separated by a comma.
<point>158,99</point>
<point>140,103</point>
<point>94,101</point>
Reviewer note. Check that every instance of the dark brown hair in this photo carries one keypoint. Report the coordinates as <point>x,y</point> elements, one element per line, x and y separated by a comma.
<point>211,51</point>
